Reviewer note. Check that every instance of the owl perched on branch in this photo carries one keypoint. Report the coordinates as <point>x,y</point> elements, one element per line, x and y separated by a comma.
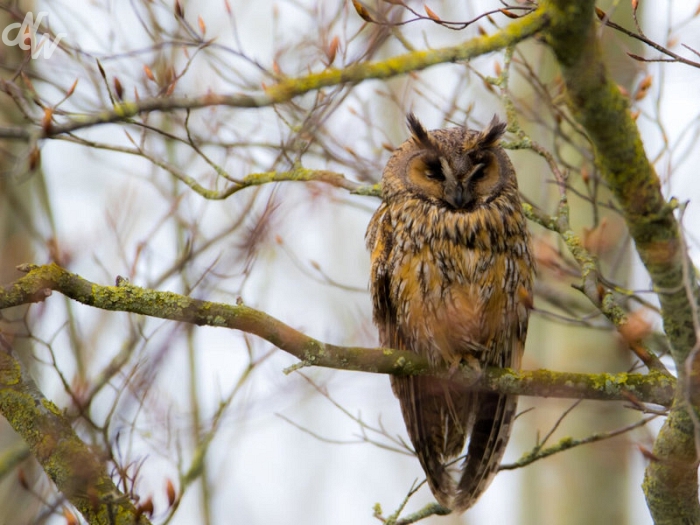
<point>451,280</point>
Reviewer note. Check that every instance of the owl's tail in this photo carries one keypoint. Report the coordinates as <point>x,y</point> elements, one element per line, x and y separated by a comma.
<point>437,415</point>
<point>494,415</point>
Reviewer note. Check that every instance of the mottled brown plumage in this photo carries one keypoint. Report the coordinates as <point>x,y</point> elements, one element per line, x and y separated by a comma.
<point>451,279</point>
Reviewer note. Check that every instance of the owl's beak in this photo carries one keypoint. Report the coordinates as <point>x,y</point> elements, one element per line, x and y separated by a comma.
<point>462,197</point>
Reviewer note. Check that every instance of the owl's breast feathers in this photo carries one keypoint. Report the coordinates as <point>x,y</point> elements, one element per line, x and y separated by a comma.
<point>451,280</point>
<point>449,283</point>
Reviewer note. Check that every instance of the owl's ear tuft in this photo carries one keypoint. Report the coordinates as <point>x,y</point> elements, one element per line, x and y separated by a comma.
<point>420,135</point>
<point>492,134</point>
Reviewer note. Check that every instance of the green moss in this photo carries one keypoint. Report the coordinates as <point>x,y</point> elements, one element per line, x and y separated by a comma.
<point>216,320</point>
<point>565,443</point>
<point>126,109</point>
<point>20,411</point>
<point>413,61</point>
<point>612,310</point>
<point>568,23</point>
<point>670,481</point>
<point>372,190</point>
<point>10,371</point>
<point>51,407</point>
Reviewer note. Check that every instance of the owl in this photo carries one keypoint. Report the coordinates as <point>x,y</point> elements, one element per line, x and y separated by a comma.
<point>451,280</point>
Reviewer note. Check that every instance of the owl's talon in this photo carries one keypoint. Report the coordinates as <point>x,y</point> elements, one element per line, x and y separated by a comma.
<point>470,369</point>
<point>471,362</point>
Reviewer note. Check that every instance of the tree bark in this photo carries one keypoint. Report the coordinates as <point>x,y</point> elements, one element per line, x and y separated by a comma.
<point>596,102</point>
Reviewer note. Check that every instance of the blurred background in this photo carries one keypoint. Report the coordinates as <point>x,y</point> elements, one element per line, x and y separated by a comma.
<point>211,411</point>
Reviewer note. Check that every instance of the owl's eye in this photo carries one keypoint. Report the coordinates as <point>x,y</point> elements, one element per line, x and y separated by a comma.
<point>433,169</point>
<point>434,174</point>
<point>478,172</point>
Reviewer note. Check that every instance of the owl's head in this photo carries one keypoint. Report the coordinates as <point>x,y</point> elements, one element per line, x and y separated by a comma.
<point>458,168</point>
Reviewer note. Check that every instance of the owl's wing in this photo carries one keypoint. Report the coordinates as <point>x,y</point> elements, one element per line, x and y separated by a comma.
<point>379,243</point>
<point>437,415</point>
<point>493,420</point>
<point>435,411</point>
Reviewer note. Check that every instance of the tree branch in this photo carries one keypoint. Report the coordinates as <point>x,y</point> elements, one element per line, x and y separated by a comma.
<point>38,282</point>
<point>539,452</point>
<point>76,470</point>
<point>289,88</point>
<point>596,102</point>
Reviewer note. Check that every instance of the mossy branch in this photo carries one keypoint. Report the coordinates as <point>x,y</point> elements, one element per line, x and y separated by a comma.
<point>541,452</point>
<point>39,281</point>
<point>671,478</point>
<point>77,471</point>
<point>297,174</point>
<point>597,103</point>
<point>287,89</point>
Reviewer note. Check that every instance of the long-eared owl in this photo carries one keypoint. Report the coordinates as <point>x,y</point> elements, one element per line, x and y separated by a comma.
<point>451,280</point>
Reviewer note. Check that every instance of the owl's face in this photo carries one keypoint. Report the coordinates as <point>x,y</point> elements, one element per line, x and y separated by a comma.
<point>457,168</point>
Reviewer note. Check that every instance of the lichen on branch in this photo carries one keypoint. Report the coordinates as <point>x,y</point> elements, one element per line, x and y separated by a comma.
<point>76,469</point>
<point>598,105</point>
<point>36,285</point>
<point>287,89</point>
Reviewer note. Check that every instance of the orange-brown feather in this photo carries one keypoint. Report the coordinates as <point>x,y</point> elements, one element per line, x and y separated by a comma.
<point>448,284</point>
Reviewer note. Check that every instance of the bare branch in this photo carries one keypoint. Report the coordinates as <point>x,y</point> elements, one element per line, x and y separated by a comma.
<point>538,452</point>
<point>287,89</point>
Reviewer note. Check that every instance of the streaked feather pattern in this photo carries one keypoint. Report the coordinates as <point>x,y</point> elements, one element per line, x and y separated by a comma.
<point>451,274</point>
